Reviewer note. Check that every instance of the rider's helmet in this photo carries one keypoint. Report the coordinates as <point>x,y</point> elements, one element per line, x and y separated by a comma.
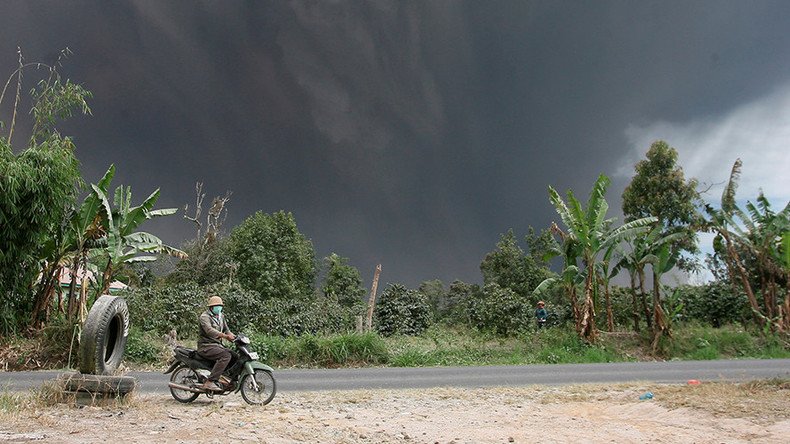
<point>215,300</point>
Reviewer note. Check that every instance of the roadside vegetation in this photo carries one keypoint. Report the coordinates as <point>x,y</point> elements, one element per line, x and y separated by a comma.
<point>305,311</point>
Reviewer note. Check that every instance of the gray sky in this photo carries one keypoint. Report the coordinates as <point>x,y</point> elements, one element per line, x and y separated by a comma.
<point>413,133</point>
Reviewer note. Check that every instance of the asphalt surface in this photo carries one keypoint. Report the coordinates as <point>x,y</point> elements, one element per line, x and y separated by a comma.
<point>292,380</point>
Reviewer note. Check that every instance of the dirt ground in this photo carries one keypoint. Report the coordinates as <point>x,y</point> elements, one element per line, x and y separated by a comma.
<point>709,413</point>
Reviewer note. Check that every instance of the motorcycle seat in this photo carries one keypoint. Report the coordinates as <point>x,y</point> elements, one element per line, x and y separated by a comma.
<point>187,352</point>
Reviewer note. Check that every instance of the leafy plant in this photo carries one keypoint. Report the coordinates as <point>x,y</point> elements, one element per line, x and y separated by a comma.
<point>588,236</point>
<point>38,188</point>
<point>402,311</point>
<point>273,257</point>
<point>500,311</point>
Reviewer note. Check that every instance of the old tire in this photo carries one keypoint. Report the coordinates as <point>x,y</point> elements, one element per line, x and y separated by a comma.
<point>98,384</point>
<point>104,336</point>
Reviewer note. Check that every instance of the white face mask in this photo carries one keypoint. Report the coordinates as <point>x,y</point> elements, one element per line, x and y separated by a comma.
<point>217,309</point>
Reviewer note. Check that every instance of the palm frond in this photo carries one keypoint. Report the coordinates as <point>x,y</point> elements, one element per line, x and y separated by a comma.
<point>544,286</point>
<point>728,195</point>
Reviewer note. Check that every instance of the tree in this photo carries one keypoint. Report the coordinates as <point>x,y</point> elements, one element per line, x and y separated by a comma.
<point>500,310</point>
<point>762,235</point>
<point>588,236</point>
<point>123,243</point>
<point>509,267</point>
<point>343,282</point>
<point>274,258</point>
<point>402,311</point>
<point>660,189</point>
<point>659,251</point>
<point>436,295</point>
<point>38,188</point>
<point>663,258</point>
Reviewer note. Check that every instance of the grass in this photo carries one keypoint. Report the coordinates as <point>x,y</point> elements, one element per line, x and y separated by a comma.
<point>695,342</point>
<point>449,346</point>
<point>347,350</point>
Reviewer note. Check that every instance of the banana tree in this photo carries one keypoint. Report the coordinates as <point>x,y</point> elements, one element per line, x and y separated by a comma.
<point>662,260</point>
<point>589,230</point>
<point>643,251</point>
<point>69,248</point>
<point>570,278</point>
<point>762,235</point>
<point>123,243</point>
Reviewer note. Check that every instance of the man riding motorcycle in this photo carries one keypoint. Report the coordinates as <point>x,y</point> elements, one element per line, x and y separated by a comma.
<point>213,329</point>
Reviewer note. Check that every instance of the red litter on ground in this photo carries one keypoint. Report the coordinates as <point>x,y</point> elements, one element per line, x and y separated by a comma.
<point>694,382</point>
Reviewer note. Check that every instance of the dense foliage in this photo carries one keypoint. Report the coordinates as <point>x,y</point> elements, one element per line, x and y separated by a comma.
<point>342,282</point>
<point>501,311</point>
<point>716,304</point>
<point>660,189</point>
<point>401,311</point>
<point>38,189</point>
<point>273,257</point>
<point>509,267</point>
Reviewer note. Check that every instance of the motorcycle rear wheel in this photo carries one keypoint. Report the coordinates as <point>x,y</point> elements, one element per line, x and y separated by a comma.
<point>267,388</point>
<point>184,376</point>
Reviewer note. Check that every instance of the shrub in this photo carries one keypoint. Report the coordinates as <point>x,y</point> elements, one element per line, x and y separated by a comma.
<point>714,303</point>
<point>500,311</point>
<point>294,317</point>
<point>141,348</point>
<point>165,308</point>
<point>402,311</point>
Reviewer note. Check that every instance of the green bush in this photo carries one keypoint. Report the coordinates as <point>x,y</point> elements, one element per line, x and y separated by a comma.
<point>295,317</point>
<point>142,348</point>
<point>402,311</point>
<point>161,309</point>
<point>715,303</point>
<point>501,311</point>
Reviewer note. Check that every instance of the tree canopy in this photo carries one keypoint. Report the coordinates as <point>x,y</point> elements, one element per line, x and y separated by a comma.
<point>660,189</point>
<point>274,258</point>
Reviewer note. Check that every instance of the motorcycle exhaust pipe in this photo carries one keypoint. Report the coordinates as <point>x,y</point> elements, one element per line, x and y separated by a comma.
<point>184,387</point>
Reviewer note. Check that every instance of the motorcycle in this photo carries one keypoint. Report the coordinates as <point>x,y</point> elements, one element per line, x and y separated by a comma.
<point>244,374</point>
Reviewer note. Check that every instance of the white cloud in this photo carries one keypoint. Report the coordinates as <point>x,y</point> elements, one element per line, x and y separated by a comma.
<point>757,132</point>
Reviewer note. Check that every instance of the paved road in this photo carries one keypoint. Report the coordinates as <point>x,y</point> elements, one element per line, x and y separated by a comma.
<point>470,377</point>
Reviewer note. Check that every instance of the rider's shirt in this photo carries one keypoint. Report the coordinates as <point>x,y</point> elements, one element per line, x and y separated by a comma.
<point>211,327</point>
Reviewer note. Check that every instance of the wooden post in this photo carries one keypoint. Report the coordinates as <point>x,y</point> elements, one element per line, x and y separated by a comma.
<point>372,300</point>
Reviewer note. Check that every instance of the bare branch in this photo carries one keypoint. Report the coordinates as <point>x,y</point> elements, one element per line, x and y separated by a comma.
<point>198,209</point>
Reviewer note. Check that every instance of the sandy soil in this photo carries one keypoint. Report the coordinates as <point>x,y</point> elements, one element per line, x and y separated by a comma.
<point>529,414</point>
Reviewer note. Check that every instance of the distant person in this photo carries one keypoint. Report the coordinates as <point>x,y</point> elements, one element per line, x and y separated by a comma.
<point>213,329</point>
<point>541,315</point>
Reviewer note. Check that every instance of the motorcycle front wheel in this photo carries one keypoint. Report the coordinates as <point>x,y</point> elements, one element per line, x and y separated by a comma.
<point>184,376</point>
<point>267,388</point>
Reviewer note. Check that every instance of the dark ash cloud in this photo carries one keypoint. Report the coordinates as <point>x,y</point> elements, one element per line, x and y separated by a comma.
<point>404,133</point>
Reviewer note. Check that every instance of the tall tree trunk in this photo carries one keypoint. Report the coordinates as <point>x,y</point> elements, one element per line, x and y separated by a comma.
<point>587,326</point>
<point>574,306</point>
<point>40,314</point>
<point>106,280</point>
<point>660,326</point>
<point>744,276</point>
<point>646,311</point>
<point>635,312</point>
<point>72,297</point>
<point>609,313</point>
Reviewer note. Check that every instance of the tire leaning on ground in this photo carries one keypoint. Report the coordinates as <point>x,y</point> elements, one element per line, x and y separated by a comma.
<point>104,336</point>
<point>98,384</point>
